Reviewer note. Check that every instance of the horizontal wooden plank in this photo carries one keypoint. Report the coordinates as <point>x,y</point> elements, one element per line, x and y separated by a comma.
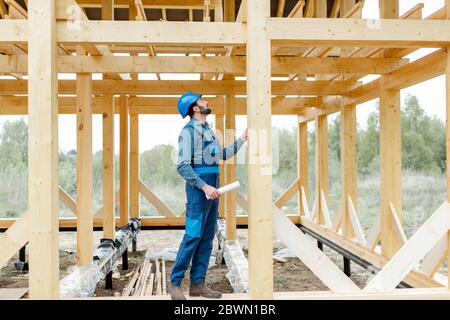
<point>359,32</point>
<point>216,64</point>
<point>426,68</point>
<point>13,30</point>
<point>153,32</point>
<point>176,87</point>
<point>153,221</point>
<point>172,4</point>
<point>18,105</point>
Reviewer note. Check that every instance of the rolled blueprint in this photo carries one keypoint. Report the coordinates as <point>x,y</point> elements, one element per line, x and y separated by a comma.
<point>227,188</point>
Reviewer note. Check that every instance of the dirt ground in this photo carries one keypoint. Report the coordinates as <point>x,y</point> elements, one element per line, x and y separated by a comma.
<point>290,276</point>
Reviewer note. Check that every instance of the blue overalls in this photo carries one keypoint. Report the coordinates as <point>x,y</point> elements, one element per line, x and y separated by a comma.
<point>198,163</point>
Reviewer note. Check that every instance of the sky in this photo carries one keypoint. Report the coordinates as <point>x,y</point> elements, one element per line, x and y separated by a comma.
<point>164,129</point>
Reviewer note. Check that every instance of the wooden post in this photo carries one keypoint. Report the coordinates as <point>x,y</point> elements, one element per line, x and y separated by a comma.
<point>43,150</point>
<point>85,219</point>
<point>302,163</point>
<point>260,157</point>
<point>320,9</point>
<point>321,163</point>
<point>448,260</point>
<point>349,164</point>
<point>230,172</point>
<point>134,166</point>
<point>107,9</point>
<point>390,152</point>
<point>123,105</point>
<point>390,166</point>
<point>230,10</point>
<point>109,206</point>
<point>220,133</point>
<point>447,79</point>
<point>345,6</point>
<point>389,9</point>
<point>132,13</point>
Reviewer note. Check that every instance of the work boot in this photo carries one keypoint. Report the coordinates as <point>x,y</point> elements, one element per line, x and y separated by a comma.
<point>200,289</point>
<point>176,293</point>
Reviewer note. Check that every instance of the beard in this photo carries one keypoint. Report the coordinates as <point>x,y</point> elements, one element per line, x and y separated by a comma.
<point>204,110</point>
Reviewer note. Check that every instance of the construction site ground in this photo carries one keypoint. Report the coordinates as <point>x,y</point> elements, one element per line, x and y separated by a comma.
<point>292,275</point>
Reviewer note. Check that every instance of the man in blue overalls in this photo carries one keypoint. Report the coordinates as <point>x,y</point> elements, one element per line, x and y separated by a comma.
<point>198,163</point>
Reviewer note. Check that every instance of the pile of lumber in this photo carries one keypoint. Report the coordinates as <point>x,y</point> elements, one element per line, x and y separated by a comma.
<point>147,279</point>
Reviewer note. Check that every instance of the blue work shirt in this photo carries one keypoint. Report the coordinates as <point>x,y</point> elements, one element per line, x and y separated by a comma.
<point>199,151</point>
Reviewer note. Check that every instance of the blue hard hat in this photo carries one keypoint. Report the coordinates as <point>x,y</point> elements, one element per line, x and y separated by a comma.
<point>185,101</point>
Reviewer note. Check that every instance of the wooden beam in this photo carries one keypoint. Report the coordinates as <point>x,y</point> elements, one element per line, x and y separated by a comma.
<point>109,194</point>
<point>390,166</point>
<point>18,105</point>
<point>153,221</point>
<point>398,294</point>
<point>432,261</point>
<point>297,11</point>
<point>230,10</point>
<point>68,201</point>
<point>155,201</point>
<point>349,163</point>
<point>312,256</point>
<point>345,6</point>
<point>124,169</point>
<point>284,197</point>
<point>321,8</point>
<point>302,165</point>
<point>354,222</point>
<point>3,9</point>
<point>222,64</point>
<point>107,9</point>
<point>134,166</point>
<point>399,233</point>
<point>43,151</point>
<point>324,209</point>
<point>220,133</point>
<point>174,87</point>
<point>414,278</point>
<point>260,153</point>
<point>347,32</point>
<point>155,32</point>
<point>15,238</point>
<point>321,163</point>
<point>428,67</point>
<point>280,8</point>
<point>389,9</point>
<point>230,171</point>
<point>447,118</point>
<point>84,170</point>
<point>173,4</point>
<point>410,254</point>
